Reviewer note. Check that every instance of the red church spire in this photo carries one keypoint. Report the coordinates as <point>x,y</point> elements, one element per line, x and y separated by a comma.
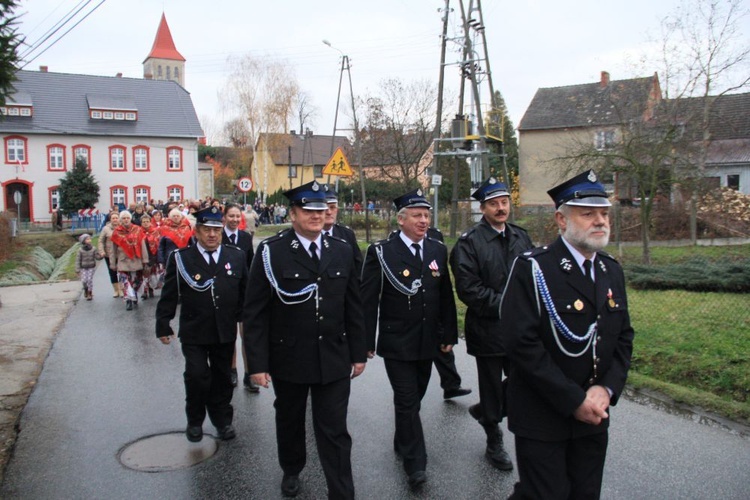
<point>163,44</point>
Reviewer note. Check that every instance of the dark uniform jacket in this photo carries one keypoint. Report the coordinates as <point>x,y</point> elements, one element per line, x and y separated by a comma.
<point>347,234</point>
<point>210,316</point>
<point>545,385</point>
<point>244,242</point>
<point>481,263</point>
<point>410,328</point>
<point>311,341</point>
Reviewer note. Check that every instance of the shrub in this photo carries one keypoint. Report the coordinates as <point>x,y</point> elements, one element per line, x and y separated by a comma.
<point>695,274</point>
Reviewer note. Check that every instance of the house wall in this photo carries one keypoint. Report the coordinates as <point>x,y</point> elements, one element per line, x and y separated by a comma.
<point>157,178</point>
<point>723,172</point>
<point>538,170</point>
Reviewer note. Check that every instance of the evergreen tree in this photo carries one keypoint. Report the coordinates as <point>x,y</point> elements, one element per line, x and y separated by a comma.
<point>78,189</point>
<point>9,42</point>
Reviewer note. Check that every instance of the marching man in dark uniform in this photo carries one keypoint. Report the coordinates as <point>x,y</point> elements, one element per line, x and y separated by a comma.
<point>208,279</point>
<point>445,362</point>
<point>333,228</point>
<point>566,331</point>
<point>304,329</point>
<point>408,297</point>
<point>481,261</point>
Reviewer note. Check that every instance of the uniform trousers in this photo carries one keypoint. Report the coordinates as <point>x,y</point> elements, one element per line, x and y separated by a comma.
<point>409,380</point>
<point>490,379</point>
<point>445,363</point>
<point>208,383</point>
<point>560,470</point>
<point>330,403</point>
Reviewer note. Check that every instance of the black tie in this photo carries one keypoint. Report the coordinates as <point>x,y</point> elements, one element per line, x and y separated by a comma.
<point>233,238</point>
<point>587,269</point>
<point>417,248</point>
<point>211,261</point>
<point>314,253</point>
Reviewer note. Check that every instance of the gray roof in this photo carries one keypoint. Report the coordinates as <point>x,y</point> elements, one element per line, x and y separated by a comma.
<point>588,105</point>
<point>61,106</point>
<point>729,115</point>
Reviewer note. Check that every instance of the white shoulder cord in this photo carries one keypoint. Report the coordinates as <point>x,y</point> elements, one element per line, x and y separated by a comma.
<point>284,296</point>
<point>556,322</point>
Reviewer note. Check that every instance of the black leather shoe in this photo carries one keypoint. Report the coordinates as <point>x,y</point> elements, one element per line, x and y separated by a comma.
<point>417,479</point>
<point>290,485</point>
<point>456,392</point>
<point>227,432</point>
<point>234,377</point>
<point>129,305</point>
<point>499,458</point>
<point>476,413</point>
<point>194,433</point>
<point>250,386</point>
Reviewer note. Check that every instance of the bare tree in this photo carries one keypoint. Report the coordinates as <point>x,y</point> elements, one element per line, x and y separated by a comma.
<point>704,54</point>
<point>236,132</point>
<point>263,92</point>
<point>306,111</point>
<point>397,129</point>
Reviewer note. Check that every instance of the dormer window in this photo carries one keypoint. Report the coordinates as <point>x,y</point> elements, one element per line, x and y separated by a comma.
<point>112,107</point>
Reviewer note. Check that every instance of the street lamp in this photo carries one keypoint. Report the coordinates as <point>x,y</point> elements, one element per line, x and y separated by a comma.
<point>351,209</point>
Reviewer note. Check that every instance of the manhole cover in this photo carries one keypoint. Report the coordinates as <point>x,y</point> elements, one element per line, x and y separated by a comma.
<point>165,452</point>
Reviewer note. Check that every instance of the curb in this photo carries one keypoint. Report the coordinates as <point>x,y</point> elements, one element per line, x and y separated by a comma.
<point>662,402</point>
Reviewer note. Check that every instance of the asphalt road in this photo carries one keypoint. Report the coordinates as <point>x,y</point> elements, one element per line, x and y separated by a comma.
<point>108,382</point>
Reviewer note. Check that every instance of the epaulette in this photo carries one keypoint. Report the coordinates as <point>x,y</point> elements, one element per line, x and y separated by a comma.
<point>337,238</point>
<point>534,252</point>
<point>233,247</point>
<point>383,242</point>
<point>602,253</point>
<point>468,232</point>
<point>516,226</point>
<point>272,239</point>
<point>435,240</point>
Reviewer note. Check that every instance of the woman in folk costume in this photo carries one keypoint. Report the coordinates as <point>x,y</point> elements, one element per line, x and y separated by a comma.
<point>151,270</point>
<point>105,249</point>
<point>175,233</point>
<point>130,256</point>
<point>157,218</point>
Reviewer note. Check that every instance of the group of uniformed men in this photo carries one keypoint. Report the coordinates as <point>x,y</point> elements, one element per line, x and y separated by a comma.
<point>555,323</point>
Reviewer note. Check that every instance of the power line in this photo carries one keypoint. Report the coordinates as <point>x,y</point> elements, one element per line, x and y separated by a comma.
<point>54,29</point>
<point>68,31</point>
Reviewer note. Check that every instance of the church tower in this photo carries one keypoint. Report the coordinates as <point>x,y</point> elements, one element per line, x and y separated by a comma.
<point>164,62</point>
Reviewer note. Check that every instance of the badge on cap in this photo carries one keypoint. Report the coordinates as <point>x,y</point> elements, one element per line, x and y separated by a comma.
<point>419,192</point>
<point>315,186</point>
<point>592,176</point>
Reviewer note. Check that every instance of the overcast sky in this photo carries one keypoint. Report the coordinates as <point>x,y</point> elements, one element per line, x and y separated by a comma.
<point>532,43</point>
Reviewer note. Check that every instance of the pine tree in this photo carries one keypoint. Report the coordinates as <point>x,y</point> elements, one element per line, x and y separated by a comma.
<point>9,42</point>
<point>78,189</point>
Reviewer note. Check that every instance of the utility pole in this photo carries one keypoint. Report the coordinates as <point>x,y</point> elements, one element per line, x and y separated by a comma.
<point>346,66</point>
<point>467,143</point>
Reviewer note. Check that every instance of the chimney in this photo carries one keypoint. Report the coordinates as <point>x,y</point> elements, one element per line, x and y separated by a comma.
<point>604,83</point>
<point>148,76</point>
<point>43,69</point>
<point>119,75</point>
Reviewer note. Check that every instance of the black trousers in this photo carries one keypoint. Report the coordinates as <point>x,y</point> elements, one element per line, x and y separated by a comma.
<point>208,383</point>
<point>330,403</point>
<point>445,362</point>
<point>112,274</point>
<point>560,470</point>
<point>490,378</point>
<point>409,380</point>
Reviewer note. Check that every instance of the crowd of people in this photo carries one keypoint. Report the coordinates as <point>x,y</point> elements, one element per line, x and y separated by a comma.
<point>548,326</point>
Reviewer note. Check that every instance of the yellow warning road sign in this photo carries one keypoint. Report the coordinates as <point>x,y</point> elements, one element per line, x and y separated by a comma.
<point>338,165</point>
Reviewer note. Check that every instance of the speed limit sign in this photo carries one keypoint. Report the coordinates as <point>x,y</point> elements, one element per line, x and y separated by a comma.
<point>245,184</point>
